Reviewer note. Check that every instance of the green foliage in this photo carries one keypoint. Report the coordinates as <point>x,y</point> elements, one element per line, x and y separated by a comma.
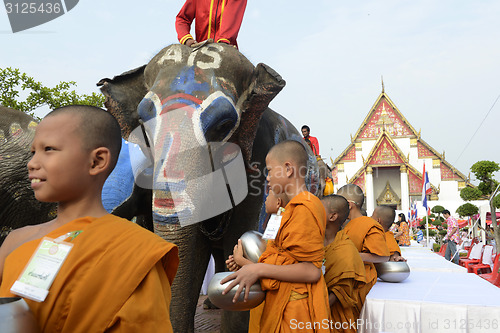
<point>432,216</point>
<point>470,193</point>
<point>442,232</point>
<point>12,81</point>
<point>483,170</point>
<point>467,209</point>
<point>437,209</point>
<point>437,223</point>
<point>496,201</point>
<point>424,220</point>
<point>436,247</point>
<point>432,233</point>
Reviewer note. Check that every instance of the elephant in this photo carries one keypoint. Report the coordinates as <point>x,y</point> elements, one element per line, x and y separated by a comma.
<point>188,109</point>
<point>18,204</point>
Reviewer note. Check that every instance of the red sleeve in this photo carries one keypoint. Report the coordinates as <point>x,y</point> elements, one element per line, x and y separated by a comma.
<point>184,20</point>
<point>231,21</point>
<point>315,143</point>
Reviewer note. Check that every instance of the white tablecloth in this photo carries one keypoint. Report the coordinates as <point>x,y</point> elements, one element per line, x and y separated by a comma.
<point>423,259</point>
<point>435,298</point>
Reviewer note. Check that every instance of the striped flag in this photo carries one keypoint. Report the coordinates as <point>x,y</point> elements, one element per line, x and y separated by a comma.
<point>426,189</point>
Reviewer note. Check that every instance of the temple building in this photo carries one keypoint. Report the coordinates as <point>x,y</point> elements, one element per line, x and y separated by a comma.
<point>386,158</point>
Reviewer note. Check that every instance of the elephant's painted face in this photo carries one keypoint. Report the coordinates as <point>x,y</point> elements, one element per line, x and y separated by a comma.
<point>193,102</point>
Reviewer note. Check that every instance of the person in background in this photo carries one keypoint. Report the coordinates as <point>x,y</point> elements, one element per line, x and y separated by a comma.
<point>219,20</point>
<point>403,234</point>
<point>310,140</point>
<point>452,238</point>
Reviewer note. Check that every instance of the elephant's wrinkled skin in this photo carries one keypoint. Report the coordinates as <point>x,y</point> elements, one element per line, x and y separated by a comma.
<point>220,97</point>
<point>18,206</point>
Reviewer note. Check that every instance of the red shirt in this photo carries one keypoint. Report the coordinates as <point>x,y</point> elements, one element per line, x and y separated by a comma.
<point>216,19</point>
<point>314,144</point>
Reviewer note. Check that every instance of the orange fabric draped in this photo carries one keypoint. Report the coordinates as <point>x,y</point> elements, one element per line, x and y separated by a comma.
<point>344,275</point>
<point>299,239</point>
<point>368,237</point>
<point>117,277</point>
<point>392,245</point>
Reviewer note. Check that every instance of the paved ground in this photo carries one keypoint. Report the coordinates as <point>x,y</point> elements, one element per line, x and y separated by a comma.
<point>206,321</point>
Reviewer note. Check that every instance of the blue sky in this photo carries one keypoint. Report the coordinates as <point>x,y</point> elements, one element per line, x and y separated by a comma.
<point>439,60</point>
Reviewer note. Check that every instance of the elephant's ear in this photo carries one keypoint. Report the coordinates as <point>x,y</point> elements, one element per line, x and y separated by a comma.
<point>265,84</point>
<point>123,94</point>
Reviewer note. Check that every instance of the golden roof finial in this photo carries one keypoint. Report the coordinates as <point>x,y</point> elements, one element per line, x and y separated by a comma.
<point>383,89</point>
<point>331,160</point>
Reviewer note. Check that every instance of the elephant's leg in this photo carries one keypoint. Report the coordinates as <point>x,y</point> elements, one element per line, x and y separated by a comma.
<point>245,218</point>
<point>194,254</point>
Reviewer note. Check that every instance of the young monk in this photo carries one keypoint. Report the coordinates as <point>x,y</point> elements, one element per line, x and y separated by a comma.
<point>117,275</point>
<point>235,261</point>
<point>290,267</point>
<point>273,203</point>
<point>344,269</point>
<point>366,234</point>
<point>385,216</point>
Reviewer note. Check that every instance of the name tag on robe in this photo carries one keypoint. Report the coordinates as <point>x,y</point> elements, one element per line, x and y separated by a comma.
<point>273,225</point>
<point>38,275</point>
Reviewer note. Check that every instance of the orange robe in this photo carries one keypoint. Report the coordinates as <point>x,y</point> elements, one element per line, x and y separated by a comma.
<point>392,245</point>
<point>344,275</point>
<point>368,237</point>
<point>300,239</point>
<point>117,277</point>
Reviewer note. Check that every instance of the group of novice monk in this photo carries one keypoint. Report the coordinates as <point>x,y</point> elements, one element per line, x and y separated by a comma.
<point>117,276</point>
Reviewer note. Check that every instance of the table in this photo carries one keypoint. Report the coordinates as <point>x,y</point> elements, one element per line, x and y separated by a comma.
<point>436,297</point>
<point>423,259</point>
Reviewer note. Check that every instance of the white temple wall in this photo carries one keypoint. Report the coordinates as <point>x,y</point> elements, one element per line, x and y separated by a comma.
<point>449,190</point>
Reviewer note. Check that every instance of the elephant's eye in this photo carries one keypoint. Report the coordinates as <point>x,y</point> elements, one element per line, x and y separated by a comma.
<point>146,109</point>
<point>218,119</point>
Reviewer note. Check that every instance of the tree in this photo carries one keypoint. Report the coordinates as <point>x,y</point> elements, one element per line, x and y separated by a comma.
<point>470,193</point>
<point>12,81</point>
<point>467,209</point>
<point>483,170</point>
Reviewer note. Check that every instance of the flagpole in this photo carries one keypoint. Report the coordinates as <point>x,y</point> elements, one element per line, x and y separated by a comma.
<point>427,226</point>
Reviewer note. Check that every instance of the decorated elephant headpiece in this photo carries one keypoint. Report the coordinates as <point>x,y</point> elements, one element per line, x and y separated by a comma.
<point>228,94</point>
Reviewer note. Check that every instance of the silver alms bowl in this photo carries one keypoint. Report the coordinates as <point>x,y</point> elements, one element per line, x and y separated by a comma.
<point>16,316</point>
<point>392,271</point>
<point>253,245</point>
<point>215,289</point>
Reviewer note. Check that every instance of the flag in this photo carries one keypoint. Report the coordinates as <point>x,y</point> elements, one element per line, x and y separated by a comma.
<point>426,189</point>
<point>414,210</point>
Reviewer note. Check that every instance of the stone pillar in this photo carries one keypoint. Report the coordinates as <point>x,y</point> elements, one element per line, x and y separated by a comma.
<point>405,190</point>
<point>370,198</point>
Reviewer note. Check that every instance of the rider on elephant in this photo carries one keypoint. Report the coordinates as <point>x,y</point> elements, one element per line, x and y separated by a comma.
<point>219,20</point>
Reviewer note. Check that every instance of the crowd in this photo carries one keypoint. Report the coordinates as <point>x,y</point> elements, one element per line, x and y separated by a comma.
<point>317,268</point>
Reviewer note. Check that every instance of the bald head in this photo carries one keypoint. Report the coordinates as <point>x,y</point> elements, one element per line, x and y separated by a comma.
<point>352,193</point>
<point>96,128</point>
<point>385,215</point>
<point>290,151</point>
<point>336,204</point>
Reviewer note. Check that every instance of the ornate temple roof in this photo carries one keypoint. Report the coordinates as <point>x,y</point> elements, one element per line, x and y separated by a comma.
<point>384,123</point>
